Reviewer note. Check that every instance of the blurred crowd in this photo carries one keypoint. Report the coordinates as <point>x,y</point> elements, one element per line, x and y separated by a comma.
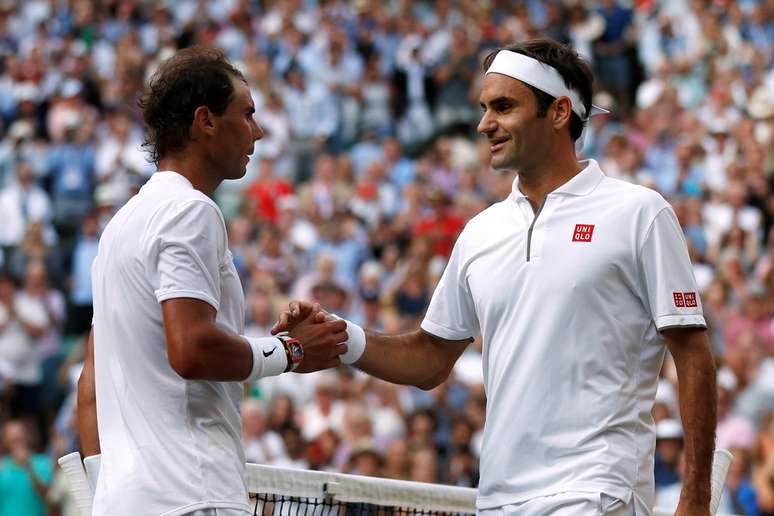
<point>368,171</point>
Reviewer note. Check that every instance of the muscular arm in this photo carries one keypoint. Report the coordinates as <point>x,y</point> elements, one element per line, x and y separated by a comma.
<point>198,348</point>
<point>87,404</point>
<point>698,410</point>
<point>415,358</point>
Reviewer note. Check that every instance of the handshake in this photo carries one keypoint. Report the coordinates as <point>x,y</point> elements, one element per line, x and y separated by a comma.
<point>327,340</point>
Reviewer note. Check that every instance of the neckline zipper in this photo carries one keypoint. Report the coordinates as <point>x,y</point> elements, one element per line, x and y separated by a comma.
<point>531,226</point>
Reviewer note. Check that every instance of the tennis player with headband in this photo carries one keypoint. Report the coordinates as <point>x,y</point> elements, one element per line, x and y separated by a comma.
<point>578,284</point>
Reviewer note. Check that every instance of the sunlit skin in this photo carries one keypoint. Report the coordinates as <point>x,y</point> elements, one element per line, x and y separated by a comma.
<point>220,145</point>
<point>540,149</point>
<point>236,133</point>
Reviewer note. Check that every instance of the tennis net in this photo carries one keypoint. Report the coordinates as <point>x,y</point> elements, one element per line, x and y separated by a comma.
<point>289,492</point>
<point>276,491</point>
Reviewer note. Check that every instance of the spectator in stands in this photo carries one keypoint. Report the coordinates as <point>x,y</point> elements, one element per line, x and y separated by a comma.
<point>24,474</point>
<point>71,165</point>
<point>699,129</point>
<point>262,446</point>
<point>23,320</point>
<point>22,203</point>
<point>669,446</point>
<point>80,298</point>
<point>325,412</point>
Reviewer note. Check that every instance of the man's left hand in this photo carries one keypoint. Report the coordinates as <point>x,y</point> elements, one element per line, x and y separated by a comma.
<point>296,312</point>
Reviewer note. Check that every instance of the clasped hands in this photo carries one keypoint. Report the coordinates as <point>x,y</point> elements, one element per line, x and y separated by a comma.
<point>322,335</point>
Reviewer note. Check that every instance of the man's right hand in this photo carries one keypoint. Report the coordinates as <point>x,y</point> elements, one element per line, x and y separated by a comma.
<point>323,340</point>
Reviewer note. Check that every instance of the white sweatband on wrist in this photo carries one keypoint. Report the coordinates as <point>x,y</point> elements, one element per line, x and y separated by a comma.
<point>356,342</point>
<point>269,357</point>
<point>92,464</point>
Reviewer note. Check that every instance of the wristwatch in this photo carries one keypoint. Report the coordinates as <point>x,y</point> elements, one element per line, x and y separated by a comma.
<point>293,350</point>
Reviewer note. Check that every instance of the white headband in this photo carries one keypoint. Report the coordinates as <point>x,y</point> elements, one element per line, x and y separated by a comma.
<point>541,76</point>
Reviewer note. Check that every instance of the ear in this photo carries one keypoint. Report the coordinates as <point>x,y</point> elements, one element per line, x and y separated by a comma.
<point>561,113</point>
<point>203,121</point>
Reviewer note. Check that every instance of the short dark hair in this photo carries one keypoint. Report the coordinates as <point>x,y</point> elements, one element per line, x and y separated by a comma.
<point>193,77</point>
<point>575,71</point>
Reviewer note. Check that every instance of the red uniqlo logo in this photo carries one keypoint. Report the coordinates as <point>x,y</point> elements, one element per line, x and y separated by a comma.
<point>583,232</point>
<point>685,299</point>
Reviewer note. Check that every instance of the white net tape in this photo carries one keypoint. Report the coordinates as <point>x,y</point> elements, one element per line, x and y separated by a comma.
<point>359,489</point>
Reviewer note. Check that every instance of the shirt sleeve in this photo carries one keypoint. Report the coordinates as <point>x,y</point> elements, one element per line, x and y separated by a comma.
<point>666,275</point>
<point>187,250</point>
<point>452,314</point>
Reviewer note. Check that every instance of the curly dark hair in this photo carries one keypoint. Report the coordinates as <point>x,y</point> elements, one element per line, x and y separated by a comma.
<point>193,77</point>
<point>575,71</point>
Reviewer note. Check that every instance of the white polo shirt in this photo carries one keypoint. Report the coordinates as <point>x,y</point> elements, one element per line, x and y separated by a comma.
<point>572,348</point>
<point>169,445</point>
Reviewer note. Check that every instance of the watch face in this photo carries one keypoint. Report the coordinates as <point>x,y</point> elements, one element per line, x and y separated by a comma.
<point>296,352</point>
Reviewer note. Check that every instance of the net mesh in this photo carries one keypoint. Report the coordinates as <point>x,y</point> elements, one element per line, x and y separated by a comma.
<point>286,505</point>
<point>288,492</point>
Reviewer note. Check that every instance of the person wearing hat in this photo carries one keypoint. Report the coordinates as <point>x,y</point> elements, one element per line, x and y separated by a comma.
<point>578,284</point>
<point>669,446</point>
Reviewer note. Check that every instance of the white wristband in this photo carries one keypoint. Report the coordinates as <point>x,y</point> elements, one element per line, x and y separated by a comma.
<point>356,342</point>
<point>269,357</point>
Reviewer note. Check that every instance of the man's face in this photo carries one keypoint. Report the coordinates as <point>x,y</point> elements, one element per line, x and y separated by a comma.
<point>15,436</point>
<point>236,134</point>
<point>516,135</point>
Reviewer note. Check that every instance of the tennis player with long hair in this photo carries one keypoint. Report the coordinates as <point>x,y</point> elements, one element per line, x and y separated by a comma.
<point>578,285</point>
<point>159,395</point>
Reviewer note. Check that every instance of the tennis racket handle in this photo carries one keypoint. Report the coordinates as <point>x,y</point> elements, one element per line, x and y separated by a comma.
<point>79,485</point>
<point>720,464</point>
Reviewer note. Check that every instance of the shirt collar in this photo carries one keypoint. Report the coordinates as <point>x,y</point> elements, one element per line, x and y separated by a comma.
<point>583,183</point>
<point>170,175</point>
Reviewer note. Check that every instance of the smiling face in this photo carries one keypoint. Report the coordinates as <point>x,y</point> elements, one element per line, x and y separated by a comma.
<point>518,138</point>
<point>236,132</point>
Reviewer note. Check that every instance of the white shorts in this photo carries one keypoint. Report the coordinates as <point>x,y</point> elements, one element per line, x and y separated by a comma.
<point>566,504</point>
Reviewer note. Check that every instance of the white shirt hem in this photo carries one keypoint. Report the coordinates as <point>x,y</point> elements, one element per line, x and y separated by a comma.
<point>217,504</point>
<point>623,493</point>
<point>163,295</point>
<point>443,332</point>
<point>674,321</point>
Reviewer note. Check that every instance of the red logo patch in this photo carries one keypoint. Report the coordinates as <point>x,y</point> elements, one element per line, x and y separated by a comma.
<point>583,232</point>
<point>690,299</point>
<point>679,299</point>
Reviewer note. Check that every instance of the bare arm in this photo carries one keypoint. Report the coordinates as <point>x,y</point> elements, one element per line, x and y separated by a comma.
<point>415,358</point>
<point>698,410</point>
<point>198,348</point>
<point>87,404</point>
